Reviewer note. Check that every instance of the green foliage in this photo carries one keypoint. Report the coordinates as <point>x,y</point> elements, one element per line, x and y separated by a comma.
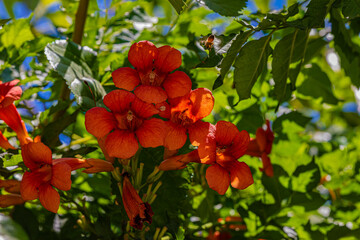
<point>77,65</point>
<point>298,66</point>
<point>249,64</point>
<point>226,7</point>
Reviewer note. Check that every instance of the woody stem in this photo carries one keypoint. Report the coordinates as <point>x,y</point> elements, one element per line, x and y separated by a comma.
<point>78,33</point>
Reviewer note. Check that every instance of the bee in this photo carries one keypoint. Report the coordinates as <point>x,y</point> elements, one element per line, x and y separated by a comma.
<point>209,42</point>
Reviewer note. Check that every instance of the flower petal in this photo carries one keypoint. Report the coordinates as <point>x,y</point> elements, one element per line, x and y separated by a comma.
<point>99,122</point>
<point>143,109</point>
<point>168,59</point>
<point>151,94</point>
<point>12,118</point>
<point>142,54</point>
<point>267,166</point>
<point>152,133</point>
<point>225,133</point>
<point>261,139</point>
<point>164,109</point>
<point>121,144</point>
<point>4,143</point>
<point>119,101</point>
<point>9,92</point>
<point>29,187</point>
<point>253,149</point>
<point>207,150</point>
<point>176,136</point>
<point>240,144</point>
<point>49,197</point>
<point>240,174</point>
<point>35,154</point>
<point>202,102</point>
<point>61,176</point>
<point>177,84</point>
<point>198,132</point>
<point>126,78</point>
<point>218,178</point>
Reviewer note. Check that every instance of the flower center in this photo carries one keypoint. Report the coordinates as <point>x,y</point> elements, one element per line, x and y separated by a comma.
<point>128,121</point>
<point>162,108</point>
<point>182,118</point>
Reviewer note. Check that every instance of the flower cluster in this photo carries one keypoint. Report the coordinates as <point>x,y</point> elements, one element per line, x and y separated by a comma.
<point>156,106</point>
<point>45,172</point>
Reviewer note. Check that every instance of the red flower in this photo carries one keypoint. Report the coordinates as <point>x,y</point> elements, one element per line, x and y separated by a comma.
<point>219,235</point>
<point>137,211</point>
<point>46,173</point>
<point>186,115</point>
<point>222,147</point>
<point>8,112</point>
<point>150,78</point>
<point>261,147</point>
<point>126,124</point>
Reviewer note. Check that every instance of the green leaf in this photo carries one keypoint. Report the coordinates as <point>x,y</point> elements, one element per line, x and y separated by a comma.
<point>348,51</point>
<point>289,49</point>
<point>4,21</point>
<point>17,33</point>
<point>317,84</point>
<point>314,16</point>
<point>313,47</point>
<point>296,117</point>
<point>231,54</point>
<point>351,8</point>
<point>178,5</point>
<point>13,161</point>
<point>249,64</point>
<point>251,119</point>
<point>274,186</point>
<point>77,65</point>
<point>230,8</point>
<point>10,230</point>
<point>306,177</point>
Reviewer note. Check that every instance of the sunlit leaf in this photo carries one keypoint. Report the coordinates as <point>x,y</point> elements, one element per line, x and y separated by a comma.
<point>226,7</point>
<point>249,64</point>
<point>178,5</point>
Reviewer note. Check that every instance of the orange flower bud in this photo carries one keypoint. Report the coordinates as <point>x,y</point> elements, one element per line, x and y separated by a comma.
<point>137,211</point>
<point>10,200</point>
<point>180,161</point>
<point>11,186</point>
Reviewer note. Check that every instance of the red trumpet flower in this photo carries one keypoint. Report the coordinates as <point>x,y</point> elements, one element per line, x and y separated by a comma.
<point>126,124</point>
<point>46,173</point>
<point>151,77</point>
<point>186,115</point>
<point>222,147</point>
<point>261,147</point>
<point>137,211</point>
<point>4,143</point>
<point>9,92</point>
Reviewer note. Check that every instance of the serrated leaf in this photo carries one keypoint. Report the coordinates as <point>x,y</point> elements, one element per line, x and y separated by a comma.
<point>249,64</point>
<point>289,49</point>
<point>229,8</point>
<point>178,5</point>
<point>13,161</point>
<point>76,65</point>
<point>317,84</point>
<point>17,33</point>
